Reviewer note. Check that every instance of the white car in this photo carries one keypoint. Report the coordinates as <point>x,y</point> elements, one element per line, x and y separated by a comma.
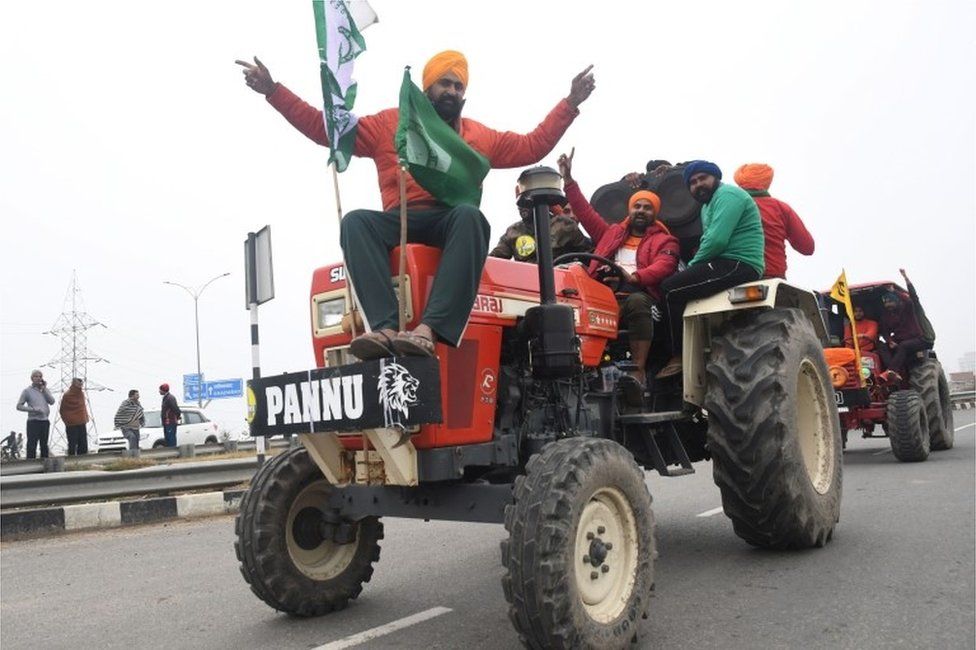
<point>194,429</point>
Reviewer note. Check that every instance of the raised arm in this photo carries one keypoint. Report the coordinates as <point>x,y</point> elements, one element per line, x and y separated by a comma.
<point>508,149</point>
<point>589,218</point>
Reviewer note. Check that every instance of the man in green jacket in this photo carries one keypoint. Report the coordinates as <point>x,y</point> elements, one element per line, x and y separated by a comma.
<point>730,253</point>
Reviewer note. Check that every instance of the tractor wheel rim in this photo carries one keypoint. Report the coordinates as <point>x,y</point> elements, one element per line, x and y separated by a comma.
<point>325,560</point>
<point>813,428</point>
<point>606,554</point>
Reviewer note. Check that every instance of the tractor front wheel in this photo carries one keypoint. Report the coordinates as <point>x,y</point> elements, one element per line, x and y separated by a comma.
<point>773,430</point>
<point>908,426</point>
<point>298,555</point>
<point>579,559</point>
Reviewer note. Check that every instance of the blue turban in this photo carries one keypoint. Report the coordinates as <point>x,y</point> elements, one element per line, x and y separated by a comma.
<point>697,166</point>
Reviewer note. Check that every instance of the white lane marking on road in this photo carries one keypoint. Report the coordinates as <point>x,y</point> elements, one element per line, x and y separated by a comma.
<point>966,426</point>
<point>383,630</point>
<point>883,451</point>
<point>709,513</point>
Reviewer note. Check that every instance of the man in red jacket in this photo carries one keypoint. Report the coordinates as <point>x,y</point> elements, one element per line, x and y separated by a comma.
<point>642,246</point>
<point>780,222</point>
<point>368,236</point>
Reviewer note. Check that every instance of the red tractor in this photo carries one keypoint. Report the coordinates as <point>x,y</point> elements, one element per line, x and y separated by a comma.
<point>525,424</point>
<point>914,412</point>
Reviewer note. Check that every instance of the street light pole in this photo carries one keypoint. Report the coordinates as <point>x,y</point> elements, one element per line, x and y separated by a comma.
<point>196,321</point>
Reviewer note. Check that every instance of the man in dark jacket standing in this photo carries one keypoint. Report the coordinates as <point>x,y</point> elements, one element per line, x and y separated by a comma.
<point>74,414</point>
<point>170,414</point>
<point>642,246</point>
<point>36,400</point>
<point>905,328</point>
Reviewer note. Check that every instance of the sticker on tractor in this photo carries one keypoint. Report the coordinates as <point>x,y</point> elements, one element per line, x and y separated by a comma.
<point>387,393</point>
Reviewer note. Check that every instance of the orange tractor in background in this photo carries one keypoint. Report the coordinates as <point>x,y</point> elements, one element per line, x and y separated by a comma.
<point>914,412</point>
<point>525,424</point>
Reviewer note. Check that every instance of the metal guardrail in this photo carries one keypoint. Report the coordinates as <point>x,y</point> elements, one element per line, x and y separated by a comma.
<point>38,465</point>
<point>67,487</point>
<point>963,396</point>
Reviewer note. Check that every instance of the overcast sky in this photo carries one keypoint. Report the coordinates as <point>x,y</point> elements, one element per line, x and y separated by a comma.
<point>132,153</point>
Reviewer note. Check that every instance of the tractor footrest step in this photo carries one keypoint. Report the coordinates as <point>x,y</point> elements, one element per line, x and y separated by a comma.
<point>652,418</point>
<point>680,471</point>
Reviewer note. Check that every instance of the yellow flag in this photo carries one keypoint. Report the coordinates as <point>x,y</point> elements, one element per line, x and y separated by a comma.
<point>841,294</point>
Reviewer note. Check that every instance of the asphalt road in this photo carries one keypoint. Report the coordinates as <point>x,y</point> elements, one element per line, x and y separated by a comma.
<point>898,573</point>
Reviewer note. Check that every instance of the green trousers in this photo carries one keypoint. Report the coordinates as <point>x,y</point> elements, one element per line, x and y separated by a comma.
<point>368,236</point>
<point>635,315</point>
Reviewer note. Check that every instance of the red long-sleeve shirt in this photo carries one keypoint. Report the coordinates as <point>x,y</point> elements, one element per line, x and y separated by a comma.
<point>781,224</point>
<point>374,139</point>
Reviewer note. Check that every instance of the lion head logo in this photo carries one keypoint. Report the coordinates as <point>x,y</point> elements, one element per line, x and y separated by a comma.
<point>397,392</point>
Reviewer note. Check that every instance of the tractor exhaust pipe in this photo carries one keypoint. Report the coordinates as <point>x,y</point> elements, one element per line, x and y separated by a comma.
<point>551,327</point>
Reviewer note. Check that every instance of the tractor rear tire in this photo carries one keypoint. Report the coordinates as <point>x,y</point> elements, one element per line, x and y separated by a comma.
<point>908,426</point>
<point>929,380</point>
<point>580,555</point>
<point>283,552</point>
<point>773,430</point>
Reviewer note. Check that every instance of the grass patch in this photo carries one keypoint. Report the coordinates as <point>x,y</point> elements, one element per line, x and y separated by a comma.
<point>122,464</point>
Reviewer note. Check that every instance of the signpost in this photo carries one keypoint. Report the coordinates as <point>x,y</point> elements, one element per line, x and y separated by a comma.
<point>259,288</point>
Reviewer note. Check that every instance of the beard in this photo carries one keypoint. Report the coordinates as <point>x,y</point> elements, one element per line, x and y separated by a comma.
<point>704,194</point>
<point>448,107</point>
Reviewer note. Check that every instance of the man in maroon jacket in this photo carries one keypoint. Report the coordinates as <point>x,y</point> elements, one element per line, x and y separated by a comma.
<point>780,223</point>
<point>642,246</point>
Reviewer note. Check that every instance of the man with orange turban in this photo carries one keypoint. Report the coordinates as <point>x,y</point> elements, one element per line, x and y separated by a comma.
<point>646,251</point>
<point>780,223</point>
<point>368,236</point>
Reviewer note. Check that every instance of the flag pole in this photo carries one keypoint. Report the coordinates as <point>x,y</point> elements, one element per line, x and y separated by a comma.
<point>403,248</point>
<point>349,300</point>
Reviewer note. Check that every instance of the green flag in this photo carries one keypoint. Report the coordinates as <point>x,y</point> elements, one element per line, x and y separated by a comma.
<point>436,156</point>
<point>337,31</point>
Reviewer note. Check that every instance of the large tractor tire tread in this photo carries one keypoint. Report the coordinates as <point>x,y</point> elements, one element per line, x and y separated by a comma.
<point>768,489</point>
<point>540,586</point>
<point>908,426</point>
<point>261,545</point>
<point>929,380</point>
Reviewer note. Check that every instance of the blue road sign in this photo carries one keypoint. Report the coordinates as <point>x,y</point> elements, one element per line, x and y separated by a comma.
<point>191,392</point>
<point>192,380</point>
<point>224,388</point>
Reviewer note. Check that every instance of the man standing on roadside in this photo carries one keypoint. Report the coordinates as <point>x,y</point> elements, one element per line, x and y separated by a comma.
<point>170,414</point>
<point>74,414</point>
<point>129,418</point>
<point>36,400</point>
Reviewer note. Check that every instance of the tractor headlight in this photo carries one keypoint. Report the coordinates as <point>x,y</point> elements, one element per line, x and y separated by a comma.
<point>752,293</point>
<point>838,376</point>
<point>330,312</point>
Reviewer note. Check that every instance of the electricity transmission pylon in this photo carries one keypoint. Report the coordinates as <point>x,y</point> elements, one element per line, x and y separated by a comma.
<point>72,328</point>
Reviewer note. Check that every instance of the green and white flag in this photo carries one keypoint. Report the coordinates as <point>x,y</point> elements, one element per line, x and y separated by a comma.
<point>338,24</point>
<point>438,159</point>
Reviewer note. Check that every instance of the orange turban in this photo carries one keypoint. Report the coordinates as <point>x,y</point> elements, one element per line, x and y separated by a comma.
<point>645,194</point>
<point>754,176</point>
<point>444,62</point>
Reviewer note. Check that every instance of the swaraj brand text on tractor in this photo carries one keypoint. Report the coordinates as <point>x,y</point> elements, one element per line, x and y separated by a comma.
<point>525,424</point>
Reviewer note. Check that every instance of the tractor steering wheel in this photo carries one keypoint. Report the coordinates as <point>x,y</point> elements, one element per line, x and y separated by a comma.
<point>614,276</point>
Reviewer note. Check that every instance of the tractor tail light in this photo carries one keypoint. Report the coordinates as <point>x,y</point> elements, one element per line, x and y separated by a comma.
<point>838,376</point>
<point>753,293</point>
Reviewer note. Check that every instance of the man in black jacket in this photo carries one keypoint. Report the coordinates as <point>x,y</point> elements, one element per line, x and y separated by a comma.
<point>170,415</point>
